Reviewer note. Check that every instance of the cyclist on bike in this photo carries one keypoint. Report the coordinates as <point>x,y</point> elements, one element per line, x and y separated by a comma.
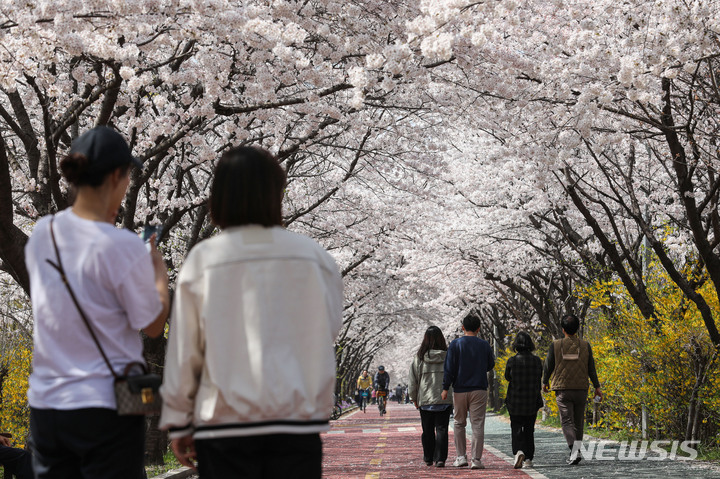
<point>364,385</point>
<point>382,384</point>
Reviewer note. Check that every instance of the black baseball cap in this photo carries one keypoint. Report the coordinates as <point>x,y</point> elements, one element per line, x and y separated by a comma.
<point>104,148</point>
<point>381,368</point>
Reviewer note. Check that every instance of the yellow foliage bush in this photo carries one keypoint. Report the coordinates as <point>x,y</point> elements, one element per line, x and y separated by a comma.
<point>647,362</point>
<point>651,362</point>
<point>500,363</point>
<point>14,410</point>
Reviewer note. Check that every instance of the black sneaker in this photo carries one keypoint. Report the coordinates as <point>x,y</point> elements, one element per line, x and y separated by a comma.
<point>440,464</point>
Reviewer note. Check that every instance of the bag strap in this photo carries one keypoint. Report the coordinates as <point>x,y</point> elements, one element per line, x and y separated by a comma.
<point>420,375</point>
<point>65,281</point>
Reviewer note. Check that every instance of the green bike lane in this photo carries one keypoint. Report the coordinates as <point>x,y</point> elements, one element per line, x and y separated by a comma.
<point>367,446</point>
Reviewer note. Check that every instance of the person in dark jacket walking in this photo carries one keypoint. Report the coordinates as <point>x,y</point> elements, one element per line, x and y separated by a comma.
<point>524,375</point>
<point>425,389</point>
<point>399,390</point>
<point>17,462</point>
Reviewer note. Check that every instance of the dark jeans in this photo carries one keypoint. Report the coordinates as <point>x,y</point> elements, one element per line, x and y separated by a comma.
<point>286,456</point>
<point>523,434</point>
<point>92,443</point>
<point>17,462</point>
<point>435,434</point>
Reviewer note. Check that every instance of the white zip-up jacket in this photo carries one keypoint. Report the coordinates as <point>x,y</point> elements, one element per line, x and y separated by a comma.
<point>251,348</point>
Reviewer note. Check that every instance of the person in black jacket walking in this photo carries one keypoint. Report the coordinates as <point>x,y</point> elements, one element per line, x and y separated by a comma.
<point>524,375</point>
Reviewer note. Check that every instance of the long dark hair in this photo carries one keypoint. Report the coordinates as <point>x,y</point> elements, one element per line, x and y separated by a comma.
<point>434,339</point>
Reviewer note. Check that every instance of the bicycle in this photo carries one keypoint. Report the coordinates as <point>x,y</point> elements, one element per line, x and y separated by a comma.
<point>381,399</point>
<point>336,412</point>
<point>364,398</point>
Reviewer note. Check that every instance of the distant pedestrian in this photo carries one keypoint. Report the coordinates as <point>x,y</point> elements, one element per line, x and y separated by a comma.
<point>468,361</point>
<point>425,391</point>
<point>399,393</point>
<point>571,365</point>
<point>250,368</point>
<point>524,397</point>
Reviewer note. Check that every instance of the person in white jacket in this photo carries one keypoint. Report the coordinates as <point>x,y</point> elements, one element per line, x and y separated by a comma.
<point>250,368</point>
<point>425,389</point>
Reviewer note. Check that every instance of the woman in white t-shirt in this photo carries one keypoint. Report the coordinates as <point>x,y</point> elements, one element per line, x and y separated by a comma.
<point>75,430</point>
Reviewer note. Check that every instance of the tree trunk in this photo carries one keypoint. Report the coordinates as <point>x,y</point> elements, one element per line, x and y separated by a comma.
<point>12,239</point>
<point>156,441</point>
<point>692,414</point>
<point>693,213</point>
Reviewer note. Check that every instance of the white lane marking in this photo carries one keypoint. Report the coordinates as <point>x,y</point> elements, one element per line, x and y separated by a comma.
<point>511,460</point>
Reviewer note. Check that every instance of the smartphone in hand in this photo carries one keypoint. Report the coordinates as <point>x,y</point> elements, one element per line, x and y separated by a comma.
<point>148,232</point>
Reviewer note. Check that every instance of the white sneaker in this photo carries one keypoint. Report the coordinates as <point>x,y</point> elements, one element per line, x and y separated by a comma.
<point>460,461</point>
<point>477,465</point>
<point>527,463</point>
<point>519,458</point>
<point>574,459</point>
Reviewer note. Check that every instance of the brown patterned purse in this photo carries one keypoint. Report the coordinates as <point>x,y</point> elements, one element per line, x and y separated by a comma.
<point>135,394</point>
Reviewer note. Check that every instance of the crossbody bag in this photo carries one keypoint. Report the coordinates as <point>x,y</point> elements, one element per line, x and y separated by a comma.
<point>137,394</point>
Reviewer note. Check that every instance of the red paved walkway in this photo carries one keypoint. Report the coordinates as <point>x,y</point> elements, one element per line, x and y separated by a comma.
<point>366,446</point>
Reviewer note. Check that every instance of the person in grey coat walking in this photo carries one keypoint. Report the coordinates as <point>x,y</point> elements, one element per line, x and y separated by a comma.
<point>425,388</point>
<point>524,375</point>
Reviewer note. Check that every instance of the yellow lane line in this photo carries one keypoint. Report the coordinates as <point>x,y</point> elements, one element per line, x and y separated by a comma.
<point>379,450</point>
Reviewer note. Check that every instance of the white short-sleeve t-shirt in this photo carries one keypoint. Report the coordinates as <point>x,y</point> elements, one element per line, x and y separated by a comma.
<point>111,274</point>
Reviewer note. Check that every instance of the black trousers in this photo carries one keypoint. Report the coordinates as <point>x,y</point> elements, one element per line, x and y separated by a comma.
<point>17,462</point>
<point>91,443</point>
<point>523,434</point>
<point>435,434</point>
<point>271,456</point>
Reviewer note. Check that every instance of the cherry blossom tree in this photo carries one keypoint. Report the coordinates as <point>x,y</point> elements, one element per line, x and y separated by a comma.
<point>454,156</point>
<point>609,102</point>
<point>318,83</point>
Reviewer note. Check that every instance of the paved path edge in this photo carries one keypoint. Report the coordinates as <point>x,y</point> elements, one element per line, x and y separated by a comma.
<point>706,464</point>
<point>180,473</point>
<point>511,460</point>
